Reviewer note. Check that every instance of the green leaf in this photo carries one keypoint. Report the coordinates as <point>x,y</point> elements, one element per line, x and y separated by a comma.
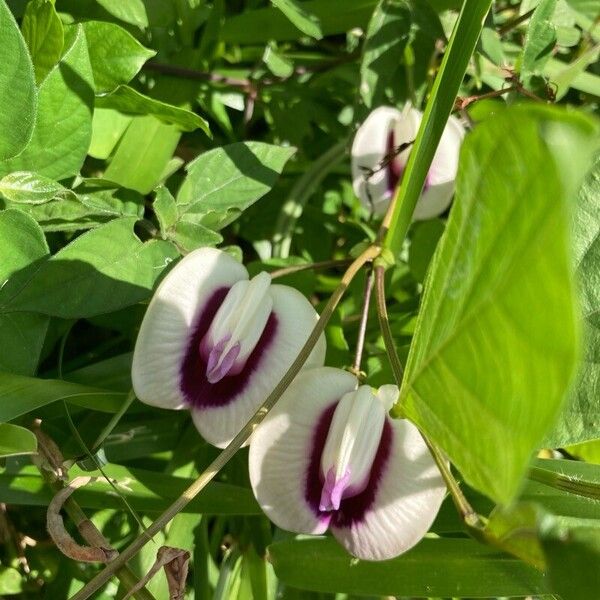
<point>15,440</point>
<point>572,548</point>
<point>278,64</point>
<point>18,95</point>
<point>514,529</point>
<point>20,395</point>
<point>496,339</point>
<point>424,239</point>
<point>99,272</point>
<point>11,581</point>
<point>144,490</point>
<point>305,21</point>
<point>265,24</point>
<point>24,187</point>
<point>387,36</point>
<point>588,451</point>
<point>230,178</point>
<point>132,11</point>
<point>108,127</point>
<point>580,419</point>
<point>186,232</point>
<point>143,154</point>
<point>435,567</point>
<point>116,56</point>
<point>187,235</point>
<point>589,8</point>
<point>541,38</point>
<point>165,208</point>
<point>44,34</point>
<point>64,123</point>
<point>22,246</point>
<point>131,102</point>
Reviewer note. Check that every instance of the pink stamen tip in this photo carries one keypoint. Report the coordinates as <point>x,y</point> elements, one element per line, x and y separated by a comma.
<point>215,371</point>
<point>331,495</point>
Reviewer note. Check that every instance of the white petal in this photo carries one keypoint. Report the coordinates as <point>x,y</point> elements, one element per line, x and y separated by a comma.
<point>353,439</point>
<point>368,149</point>
<point>407,499</point>
<point>440,179</point>
<point>164,334</point>
<point>296,318</point>
<point>280,447</point>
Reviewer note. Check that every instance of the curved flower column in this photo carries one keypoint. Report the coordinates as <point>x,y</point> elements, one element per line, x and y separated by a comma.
<point>217,342</point>
<point>329,456</point>
<point>377,167</point>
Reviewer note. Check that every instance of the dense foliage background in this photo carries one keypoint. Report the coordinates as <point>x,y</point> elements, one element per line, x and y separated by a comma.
<point>134,131</point>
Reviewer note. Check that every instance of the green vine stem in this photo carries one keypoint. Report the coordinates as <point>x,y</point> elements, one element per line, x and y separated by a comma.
<point>566,483</point>
<point>225,455</point>
<point>303,189</point>
<point>443,95</point>
<point>466,511</point>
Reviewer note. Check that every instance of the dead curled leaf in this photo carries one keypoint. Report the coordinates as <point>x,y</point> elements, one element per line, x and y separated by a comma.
<point>102,552</point>
<point>175,561</point>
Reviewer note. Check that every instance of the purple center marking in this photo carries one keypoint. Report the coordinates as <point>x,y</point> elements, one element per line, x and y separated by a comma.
<point>352,509</point>
<point>395,171</point>
<point>198,391</point>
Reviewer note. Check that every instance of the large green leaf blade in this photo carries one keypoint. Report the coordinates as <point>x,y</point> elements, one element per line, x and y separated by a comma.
<point>497,336</point>
<point>579,421</point>
<point>20,395</point>
<point>22,246</point>
<point>101,271</point>
<point>63,130</point>
<point>18,95</point>
<point>435,567</point>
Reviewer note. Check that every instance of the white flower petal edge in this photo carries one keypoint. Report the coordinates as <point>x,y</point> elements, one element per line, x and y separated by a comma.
<point>279,461</point>
<point>376,512</point>
<point>369,147</point>
<point>164,335</point>
<point>409,496</point>
<point>371,144</point>
<point>295,319</point>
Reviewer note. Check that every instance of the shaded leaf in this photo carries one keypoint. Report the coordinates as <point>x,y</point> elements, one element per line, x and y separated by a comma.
<point>305,21</point>
<point>101,271</point>
<point>387,36</point>
<point>22,245</point>
<point>132,11</point>
<point>15,440</point>
<point>435,567</point>
<point>129,101</point>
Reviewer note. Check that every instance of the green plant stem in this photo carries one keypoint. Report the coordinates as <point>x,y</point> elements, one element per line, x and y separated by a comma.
<point>573,485</point>
<point>225,456</point>
<point>466,511</point>
<point>114,421</point>
<point>443,95</point>
<point>300,193</point>
<point>362,327</point>
<point>324,264</point>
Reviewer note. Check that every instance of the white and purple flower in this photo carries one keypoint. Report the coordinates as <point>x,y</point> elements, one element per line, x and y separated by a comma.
<point>328,456</point>
<point>378,160</point>
<point>217,342</point>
